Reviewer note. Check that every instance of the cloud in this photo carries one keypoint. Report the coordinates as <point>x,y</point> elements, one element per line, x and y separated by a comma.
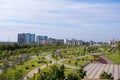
<point>55,17</point>
<point>59,11</point>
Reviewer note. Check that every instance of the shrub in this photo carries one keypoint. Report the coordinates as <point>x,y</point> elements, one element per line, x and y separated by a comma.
<point>43,58</point>
<point>32,65</point>
<point>26,67</point>
<point>106,75</point>
<point>69,61</point>
<point>41,61</point>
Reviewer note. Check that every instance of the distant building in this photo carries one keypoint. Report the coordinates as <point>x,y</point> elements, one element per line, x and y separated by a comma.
<point>52,41</point>
<point>32,38</point>
<point>68,42</point>
<point>42,40</point>
<point>26,38</point>
<point>21,38</point>
<point>74,42</point>
<point>55,41</point>
<point>112,42</point>
<point>78,42</point>
<point>60,41</point>
<point>91,42</point>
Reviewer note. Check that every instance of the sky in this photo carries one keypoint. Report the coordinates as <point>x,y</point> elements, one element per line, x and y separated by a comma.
<point>97,20</point>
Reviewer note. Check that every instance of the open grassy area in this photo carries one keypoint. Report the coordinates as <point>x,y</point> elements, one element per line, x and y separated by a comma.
<point>28,65</point>
<point>80,61</point>
<point>115,58</point>
<point>72,62</point>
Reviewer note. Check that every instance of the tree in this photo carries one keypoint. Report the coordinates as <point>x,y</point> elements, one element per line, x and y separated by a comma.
<point>77,75</point>
<point>43,76</point>
<point>81,73</point>
<point>72,76</point>
<point>105,75</point>
<point>50,61</point>
<point>3,76</point>
<point>55,73</point>
<point>62,68</point>
<point>18,75</point>
<point>39,70</point>
<point>76,64</point>
<point>5,66</point>
<point>34,76</point>
<point>69,61</point>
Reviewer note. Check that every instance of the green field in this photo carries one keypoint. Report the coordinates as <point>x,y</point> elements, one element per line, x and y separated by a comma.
<point>28,66</point>
<point>115,58</point>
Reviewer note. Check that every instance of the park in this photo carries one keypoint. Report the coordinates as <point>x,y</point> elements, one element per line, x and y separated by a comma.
<point>59,62</point>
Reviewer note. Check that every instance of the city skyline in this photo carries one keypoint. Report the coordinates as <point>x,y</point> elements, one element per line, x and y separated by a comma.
<point>97,20</point>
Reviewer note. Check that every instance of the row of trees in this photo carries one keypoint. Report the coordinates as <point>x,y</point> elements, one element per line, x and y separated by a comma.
<point>76,51</point>
<point>6,51</point>
<point>56,73</point>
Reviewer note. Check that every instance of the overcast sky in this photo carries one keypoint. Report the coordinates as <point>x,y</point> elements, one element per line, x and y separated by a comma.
<point>97,20</point>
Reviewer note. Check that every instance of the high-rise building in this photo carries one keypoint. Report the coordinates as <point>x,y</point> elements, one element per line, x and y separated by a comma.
<point>41,39</point>
<point>52,41</point>
<point>26,38</point>
<point>60,41</point>
<point>74,42</point>
<point>55,41</point>
<point>21,38</point>
<point>32,38</point>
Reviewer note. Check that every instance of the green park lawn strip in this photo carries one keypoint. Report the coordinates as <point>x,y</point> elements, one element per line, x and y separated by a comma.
<point>28,64</point>
<point>72,62</point>
<point>115,58</point>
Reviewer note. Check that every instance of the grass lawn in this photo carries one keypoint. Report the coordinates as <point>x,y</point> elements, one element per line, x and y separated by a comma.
<point>30,64</point>
<point>115,58</point>
<point>72,62</point>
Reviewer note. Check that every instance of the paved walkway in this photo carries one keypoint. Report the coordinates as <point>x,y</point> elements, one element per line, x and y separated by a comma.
<point>90,68</point>
<point>60,62</point>
<point>107,60</point>
<point>94,70</point>
<point>31,73</point>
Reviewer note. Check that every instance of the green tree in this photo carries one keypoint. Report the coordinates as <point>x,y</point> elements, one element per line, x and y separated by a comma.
<point>3,76</point>
<point>81,73</point>
<point>72,76</point>
<point>43,76</point>
<point>18,75</point>
<point>77,75</point>
<point>5,66</point>
<point>76,64</point>
<point>105,75</point>
<point>62,68</point>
